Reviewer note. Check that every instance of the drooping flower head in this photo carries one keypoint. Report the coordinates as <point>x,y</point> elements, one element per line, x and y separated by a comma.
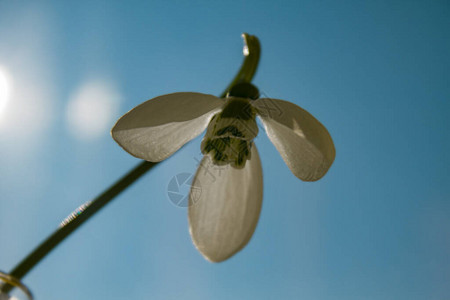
<point>223,218</point>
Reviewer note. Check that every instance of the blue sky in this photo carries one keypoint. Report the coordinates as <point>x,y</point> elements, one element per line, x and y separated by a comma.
<point>375,73</point>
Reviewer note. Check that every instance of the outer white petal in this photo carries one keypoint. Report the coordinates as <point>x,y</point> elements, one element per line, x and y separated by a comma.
<point>303,142</point>
<point>157,128</point>
<point>223,214</point>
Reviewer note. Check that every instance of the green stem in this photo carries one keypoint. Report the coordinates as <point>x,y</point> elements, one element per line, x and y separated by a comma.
<point>252,53</point>
<point>86,211</point>
<point>79,217</point>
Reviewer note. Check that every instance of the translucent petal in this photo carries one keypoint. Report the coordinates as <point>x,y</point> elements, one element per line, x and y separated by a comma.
<point>157,128</point>
<point>303,142</point>
<point>224,211</point>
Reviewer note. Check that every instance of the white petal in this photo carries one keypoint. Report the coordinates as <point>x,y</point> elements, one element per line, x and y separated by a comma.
<point>157,128</point>
<point>224,212</point>
<point>303,142</point>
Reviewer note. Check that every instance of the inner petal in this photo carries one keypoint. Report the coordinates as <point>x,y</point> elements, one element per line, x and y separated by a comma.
<point>230,133</point>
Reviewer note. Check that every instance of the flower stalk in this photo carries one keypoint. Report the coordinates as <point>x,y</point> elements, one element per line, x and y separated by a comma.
<point>85,212</point>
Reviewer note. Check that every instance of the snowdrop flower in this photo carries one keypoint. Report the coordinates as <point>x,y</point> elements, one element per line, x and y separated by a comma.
<point>224,217</point>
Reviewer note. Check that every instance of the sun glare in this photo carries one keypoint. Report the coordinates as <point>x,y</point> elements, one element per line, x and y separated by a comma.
<point>4,90</point>
<point>91,109</point>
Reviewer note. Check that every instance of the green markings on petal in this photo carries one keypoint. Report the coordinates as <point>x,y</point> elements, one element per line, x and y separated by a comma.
<point>227,150</point>
<point>231,129</point>
<point>230,133</point>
